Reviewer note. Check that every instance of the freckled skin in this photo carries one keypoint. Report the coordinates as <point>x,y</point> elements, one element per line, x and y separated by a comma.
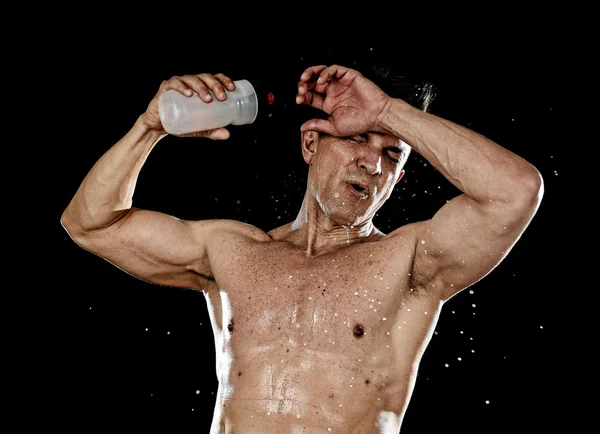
<point>284,338</point>
<point>326,317</point>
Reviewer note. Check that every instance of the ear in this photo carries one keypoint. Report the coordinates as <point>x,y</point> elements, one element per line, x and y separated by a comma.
<point>310,140</point>
<point>400,176</point>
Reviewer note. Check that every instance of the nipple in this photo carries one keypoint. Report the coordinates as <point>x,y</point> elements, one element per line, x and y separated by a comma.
<point>230,325</point>
<point>358,331</point>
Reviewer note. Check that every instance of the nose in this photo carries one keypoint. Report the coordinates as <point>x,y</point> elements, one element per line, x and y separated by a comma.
<point>370,161</point>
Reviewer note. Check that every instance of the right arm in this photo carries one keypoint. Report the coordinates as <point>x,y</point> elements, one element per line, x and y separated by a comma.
<point>150,245</point>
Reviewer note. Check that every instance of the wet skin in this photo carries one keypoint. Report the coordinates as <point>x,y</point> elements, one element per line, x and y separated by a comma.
<point>320,325</point>
<point>308,344</point>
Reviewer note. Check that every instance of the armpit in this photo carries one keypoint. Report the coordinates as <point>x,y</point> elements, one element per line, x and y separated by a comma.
<point>207,285</point>
<point>423,274</point>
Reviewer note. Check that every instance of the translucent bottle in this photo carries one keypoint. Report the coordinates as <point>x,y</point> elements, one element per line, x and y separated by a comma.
<point>181,114</point>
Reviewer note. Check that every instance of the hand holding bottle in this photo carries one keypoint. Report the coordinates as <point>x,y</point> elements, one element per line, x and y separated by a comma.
<point>205,87</point>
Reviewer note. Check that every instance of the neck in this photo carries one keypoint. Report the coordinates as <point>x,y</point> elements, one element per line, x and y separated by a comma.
<point>317,233</point>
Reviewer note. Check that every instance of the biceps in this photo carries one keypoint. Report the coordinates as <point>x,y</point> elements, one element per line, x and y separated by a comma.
<point>464,242</point>
<point>152,246</point>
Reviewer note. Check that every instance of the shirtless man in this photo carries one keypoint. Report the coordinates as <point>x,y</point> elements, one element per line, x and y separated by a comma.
<point>319,324</point>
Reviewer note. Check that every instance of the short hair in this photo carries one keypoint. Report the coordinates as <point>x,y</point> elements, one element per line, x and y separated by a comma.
<point>417,92</point>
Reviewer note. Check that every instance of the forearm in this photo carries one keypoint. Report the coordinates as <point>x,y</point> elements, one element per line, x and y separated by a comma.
<point>474,164</point>
<point>107,190</point>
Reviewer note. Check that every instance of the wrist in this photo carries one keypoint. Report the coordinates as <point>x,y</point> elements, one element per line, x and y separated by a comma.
<point>396,118</point>
<point>143,128</point>
<point>141,135</point>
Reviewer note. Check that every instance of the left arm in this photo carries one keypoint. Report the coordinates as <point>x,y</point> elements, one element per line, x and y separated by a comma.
<point>471,234</point>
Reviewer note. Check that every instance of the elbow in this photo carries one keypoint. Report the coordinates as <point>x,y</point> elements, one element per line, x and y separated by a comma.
<point>68,224</point>
<point>81,222</point>
<point>526,194</point>
<point>64,220</point>
<point>73,224</point>
<point>532,187</point>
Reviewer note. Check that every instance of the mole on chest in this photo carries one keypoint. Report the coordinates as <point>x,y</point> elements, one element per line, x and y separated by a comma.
<point>358,330</point>
<point>337,300</point>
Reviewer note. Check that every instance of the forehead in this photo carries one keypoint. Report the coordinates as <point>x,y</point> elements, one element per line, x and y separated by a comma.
<point>387,140</point>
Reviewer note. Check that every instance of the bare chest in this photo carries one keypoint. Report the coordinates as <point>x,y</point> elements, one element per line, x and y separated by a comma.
<point>276,295</point>
<point>305,336</point>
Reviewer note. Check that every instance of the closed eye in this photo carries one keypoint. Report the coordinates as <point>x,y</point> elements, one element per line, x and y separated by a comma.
<point>393,155</point>
<point>358,139</point>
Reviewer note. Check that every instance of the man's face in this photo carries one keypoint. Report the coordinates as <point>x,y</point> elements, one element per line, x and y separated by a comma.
<point>352,177</point>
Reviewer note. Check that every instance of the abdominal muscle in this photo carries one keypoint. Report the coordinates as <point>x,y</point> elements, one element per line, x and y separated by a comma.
<point>312,392</point>
<point>316,345</point>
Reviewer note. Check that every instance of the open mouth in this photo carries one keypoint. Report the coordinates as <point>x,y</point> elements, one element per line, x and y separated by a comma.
<point>358,190</point>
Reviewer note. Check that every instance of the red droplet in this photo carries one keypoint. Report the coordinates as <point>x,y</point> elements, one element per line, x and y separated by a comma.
<point>270,98</point>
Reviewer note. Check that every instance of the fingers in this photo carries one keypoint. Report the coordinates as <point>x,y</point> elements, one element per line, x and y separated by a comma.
<point>214,134</point>
<point>315,80</point>
<point>308,92</point>
<point>313,71</point>
<point>321,74</point>
<point>332,72</point>
<point>313,99</point>
<point>202,84</point>
<point>308,84</point>
<point>218,134</point>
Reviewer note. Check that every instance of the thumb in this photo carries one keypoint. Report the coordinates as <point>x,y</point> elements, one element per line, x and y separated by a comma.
<point>218,134</point>
<point>320,125</point>
<point>214,134</point>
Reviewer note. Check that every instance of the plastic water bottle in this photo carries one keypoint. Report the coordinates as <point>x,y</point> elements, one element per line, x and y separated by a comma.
<point>181,114</point>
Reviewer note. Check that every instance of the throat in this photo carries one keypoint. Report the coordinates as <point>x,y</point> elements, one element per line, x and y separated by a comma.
<point>316,233</point>
<point>319,242</point>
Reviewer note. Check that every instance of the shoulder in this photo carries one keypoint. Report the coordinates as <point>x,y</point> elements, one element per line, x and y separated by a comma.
<point>410,233</point>
<point>281,232</point>
<point>228,229</point>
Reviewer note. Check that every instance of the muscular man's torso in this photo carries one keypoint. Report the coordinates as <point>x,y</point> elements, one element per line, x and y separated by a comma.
<point>326,344</point>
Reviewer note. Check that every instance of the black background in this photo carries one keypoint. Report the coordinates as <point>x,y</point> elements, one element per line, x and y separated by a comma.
<point>123,354</point>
